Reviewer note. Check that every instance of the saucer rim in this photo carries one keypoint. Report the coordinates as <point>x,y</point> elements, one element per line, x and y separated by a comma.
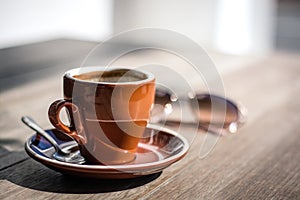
<point>127,168</point>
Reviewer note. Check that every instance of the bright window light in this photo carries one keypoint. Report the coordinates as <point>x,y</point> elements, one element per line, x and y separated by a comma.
<point>233,26</point>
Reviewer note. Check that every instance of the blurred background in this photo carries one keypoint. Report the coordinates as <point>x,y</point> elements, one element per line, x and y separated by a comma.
<point>230,26</point>
<point>227,27</point>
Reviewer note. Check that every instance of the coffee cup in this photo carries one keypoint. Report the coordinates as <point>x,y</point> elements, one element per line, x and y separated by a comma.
<point>108,110</point>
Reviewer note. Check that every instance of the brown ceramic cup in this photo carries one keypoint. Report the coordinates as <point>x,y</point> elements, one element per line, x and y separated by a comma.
<point>108,109</point>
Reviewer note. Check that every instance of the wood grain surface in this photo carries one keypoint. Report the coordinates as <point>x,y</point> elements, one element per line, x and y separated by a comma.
<point>261,161</point>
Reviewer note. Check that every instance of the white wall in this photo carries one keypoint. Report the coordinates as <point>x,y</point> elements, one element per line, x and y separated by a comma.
<point>245,26</point>
<point>231,26</point>
<point>219,24</point>
<point>192,18</point>
<point>27,21</point>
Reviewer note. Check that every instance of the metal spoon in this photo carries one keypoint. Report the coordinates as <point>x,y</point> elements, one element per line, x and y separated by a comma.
<point>60,154</point>
<point>214,113</point>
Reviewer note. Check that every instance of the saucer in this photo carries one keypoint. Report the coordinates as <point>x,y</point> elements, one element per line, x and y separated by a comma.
<point>158,149</point>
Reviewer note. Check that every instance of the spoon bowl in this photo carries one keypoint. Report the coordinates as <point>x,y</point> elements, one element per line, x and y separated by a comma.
<point>60,154</point>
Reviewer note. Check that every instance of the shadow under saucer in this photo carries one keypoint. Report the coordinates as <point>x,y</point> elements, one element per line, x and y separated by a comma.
<point>35,176</point>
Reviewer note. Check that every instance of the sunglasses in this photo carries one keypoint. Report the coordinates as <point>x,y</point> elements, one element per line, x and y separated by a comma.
<point>214,113</point>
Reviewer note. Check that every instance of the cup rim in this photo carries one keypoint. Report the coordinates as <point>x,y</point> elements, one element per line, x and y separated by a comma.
<point>76,71</point>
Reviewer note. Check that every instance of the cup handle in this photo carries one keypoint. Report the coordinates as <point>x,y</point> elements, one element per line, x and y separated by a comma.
<point>76,132</point>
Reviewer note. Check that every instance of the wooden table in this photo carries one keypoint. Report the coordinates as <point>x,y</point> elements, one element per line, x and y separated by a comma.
<point>262,161</point>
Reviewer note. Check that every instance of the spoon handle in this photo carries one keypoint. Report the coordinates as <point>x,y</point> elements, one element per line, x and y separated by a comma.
<point>34,126</point>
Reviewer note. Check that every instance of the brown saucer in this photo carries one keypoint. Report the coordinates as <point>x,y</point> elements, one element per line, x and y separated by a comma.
<point>159,148</point>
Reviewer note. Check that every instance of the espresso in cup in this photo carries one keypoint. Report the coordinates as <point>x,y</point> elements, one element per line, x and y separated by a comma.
<point>116,75</point>
<point>109,109</point>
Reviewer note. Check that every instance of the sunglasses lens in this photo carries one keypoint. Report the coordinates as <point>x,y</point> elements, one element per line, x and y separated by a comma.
<point>162,97</point>
<point>212,109</point>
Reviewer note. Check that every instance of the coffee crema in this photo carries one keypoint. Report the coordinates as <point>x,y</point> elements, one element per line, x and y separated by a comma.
<point>114,76</point>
